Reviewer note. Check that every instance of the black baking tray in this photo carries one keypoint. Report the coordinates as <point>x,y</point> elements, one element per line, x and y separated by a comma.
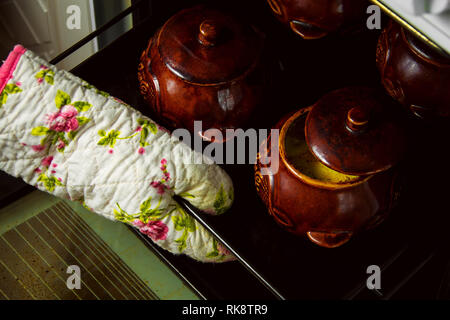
<point>411,247</point>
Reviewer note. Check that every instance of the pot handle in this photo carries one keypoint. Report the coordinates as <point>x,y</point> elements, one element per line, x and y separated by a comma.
<point>275,7</point>
<point>306,30</point>
<point>329,239</point>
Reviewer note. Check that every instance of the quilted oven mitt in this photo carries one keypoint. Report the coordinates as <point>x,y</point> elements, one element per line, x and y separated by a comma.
<point>65,137</point>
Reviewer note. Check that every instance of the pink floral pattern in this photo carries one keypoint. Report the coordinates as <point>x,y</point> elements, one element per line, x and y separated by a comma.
<point>47,161</point>
<point>63,120</point>
<point>156,230</point>
<point>45,74</point>
<point>62,125</point>
<point>49,182</point>
<point>160,185</point>
<point>222,250</point>
<point>38,147</point>
<point>219,252</point>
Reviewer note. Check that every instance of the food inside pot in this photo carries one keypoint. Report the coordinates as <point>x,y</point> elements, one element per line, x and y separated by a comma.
<point>299,156</point>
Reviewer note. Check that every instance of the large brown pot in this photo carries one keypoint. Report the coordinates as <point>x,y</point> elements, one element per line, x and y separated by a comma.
<point>202,65</point>
<point>413,73</point>
<point>306,196</point>
<point>314,19</point>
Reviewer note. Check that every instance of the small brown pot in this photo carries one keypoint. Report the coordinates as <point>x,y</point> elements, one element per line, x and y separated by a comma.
<point>309,198</point>
<point>314,19</point>
<point>202,65</point>
<point>414,74</point>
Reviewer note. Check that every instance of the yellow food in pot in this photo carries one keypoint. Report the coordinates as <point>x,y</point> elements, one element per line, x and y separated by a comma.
<point>299,155</point>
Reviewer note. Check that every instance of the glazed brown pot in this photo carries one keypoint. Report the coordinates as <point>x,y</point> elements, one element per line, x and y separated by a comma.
<point>413,73</point>
<point>314,19</point>
<point>202,65</point>
<point>309,198</point>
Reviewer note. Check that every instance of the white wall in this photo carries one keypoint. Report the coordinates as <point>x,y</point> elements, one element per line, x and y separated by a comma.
<point>40,25</point>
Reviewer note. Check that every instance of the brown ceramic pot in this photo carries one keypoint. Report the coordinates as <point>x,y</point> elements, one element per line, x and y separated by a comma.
<point>313,19</point>
<point>413,73</point>
<point>202,65</point>
<point>342,178</point>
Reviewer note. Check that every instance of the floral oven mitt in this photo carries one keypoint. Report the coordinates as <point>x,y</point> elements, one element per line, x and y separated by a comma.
<point>63,136</point>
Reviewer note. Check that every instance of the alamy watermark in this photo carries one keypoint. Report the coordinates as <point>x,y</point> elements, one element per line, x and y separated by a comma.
<point>73,20</point>
<point>374,280</point>
<point>374,19</point>
<point>74,280</point>
<point>241,147</point>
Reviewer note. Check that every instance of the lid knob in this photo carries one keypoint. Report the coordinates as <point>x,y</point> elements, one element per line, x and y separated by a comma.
<point>209,33</point>
<point>357,131</point>
<point>357,119</point>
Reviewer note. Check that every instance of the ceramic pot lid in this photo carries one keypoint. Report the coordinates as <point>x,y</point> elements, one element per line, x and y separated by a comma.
<point>356,131</point>
<point>205,46</point>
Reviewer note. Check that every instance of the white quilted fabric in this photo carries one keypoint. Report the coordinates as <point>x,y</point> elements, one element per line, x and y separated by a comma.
<point>65,137</point>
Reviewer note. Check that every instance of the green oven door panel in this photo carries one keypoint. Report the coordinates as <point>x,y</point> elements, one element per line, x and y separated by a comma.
<point>41,235</point>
